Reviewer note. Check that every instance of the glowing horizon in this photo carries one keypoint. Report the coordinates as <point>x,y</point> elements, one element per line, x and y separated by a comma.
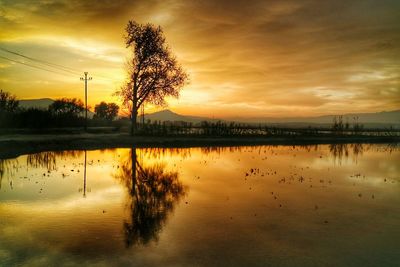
<point>268,58</point>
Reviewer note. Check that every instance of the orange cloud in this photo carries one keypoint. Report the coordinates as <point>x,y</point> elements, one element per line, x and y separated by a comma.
<point>257,58</point>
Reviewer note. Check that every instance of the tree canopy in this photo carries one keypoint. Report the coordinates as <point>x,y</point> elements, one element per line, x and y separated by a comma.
<point>8,102</point>
<point>66,106</point>
<point>106,111</point>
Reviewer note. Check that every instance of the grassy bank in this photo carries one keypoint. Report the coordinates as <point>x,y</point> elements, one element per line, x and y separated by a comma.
<point>15,145</point>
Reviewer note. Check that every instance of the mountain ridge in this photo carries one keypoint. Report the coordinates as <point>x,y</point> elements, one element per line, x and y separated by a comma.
<point>376,119</point>
<point>42,103</point>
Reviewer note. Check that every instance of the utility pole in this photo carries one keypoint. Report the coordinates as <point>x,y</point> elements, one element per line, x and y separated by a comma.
<point>86,79</point>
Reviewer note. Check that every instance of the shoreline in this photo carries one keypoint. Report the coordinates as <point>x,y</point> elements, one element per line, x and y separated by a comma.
<point>12,146</point>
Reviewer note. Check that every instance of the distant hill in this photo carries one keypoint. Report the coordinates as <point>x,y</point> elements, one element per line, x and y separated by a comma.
<point>379,119</point>
<point>387,117</point>
<point>42,103</point>
<point>168,115</point>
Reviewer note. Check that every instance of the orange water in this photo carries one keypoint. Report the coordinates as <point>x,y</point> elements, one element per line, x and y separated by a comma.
<point>329,205</point>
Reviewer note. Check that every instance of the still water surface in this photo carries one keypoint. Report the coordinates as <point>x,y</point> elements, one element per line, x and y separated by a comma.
<point>327,205</point>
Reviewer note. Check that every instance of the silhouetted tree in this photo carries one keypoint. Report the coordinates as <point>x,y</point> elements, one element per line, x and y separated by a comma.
<point>153,72</point>
<point>8,107</point>
<point>106,111</point>
<point>338,125</point>
<point>357,126</point>
<point>8,102</point>
<point>66,106</point>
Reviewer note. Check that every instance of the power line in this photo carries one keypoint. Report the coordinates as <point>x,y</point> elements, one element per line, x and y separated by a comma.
<point>33,66</point>
<point>49,64</point>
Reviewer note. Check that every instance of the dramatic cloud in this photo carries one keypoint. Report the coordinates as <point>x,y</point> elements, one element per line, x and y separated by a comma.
<point>245,58</point>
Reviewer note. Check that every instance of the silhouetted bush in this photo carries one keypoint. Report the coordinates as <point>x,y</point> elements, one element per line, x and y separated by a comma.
<point>106,111</point>
<point>62,113</point>
<point>33,118</point>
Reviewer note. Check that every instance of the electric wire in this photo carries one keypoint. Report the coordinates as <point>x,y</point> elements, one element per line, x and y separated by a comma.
<point>33,66</point>
<point>49,64</point>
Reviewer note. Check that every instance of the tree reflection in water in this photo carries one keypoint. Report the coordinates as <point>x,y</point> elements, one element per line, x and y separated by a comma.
<point>340,151</point>
<point>153,193</point>
<point>48,159</point>
<point>7,166</point>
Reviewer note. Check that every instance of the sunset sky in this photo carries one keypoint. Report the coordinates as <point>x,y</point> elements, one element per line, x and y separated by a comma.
<point>245,58</point>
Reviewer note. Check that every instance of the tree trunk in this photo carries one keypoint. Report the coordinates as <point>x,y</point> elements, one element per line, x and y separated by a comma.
<point>134,121</point>
<point>134,107</point>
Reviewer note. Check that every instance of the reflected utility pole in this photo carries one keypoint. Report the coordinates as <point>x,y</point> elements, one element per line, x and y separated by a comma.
<point>84,177</point>
<point>86,79</point>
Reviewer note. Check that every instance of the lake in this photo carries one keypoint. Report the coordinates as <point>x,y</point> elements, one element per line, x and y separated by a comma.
<point>322,205</point>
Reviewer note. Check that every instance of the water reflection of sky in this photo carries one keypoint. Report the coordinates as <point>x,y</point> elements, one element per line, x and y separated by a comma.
<point>259,206</point>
